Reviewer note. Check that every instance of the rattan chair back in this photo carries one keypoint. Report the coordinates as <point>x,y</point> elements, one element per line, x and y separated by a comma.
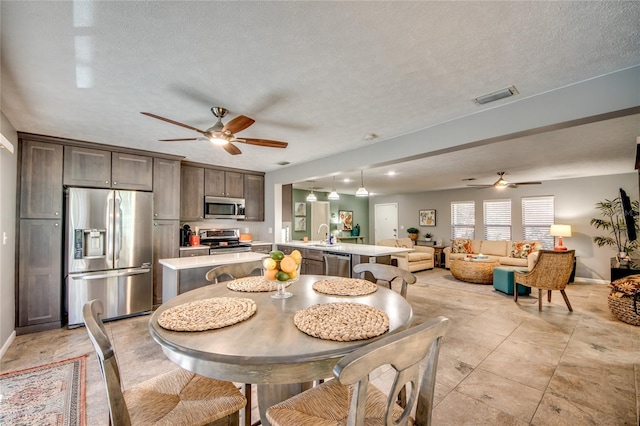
<point>235,270</point>
<point>551,272</point>
<point>385,274</point>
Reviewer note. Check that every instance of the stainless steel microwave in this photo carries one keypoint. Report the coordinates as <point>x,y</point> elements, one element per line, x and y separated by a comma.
<point>223,208</point>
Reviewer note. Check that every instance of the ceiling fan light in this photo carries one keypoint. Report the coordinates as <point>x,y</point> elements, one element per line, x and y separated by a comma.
<point>218,141</point>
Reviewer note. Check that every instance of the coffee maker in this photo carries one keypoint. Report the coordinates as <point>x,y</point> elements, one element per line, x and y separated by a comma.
<point>185,233</point>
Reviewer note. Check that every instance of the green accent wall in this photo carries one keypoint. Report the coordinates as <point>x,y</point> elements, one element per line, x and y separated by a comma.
<point>359,207</point>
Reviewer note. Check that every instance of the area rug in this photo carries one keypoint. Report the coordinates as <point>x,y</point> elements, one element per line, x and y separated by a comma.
<point>52,394</point>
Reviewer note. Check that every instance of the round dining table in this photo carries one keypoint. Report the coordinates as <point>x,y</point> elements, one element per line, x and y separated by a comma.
<point>268,349</point>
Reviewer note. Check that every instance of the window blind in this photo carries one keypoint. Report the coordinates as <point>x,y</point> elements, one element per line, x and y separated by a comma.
<point>497,220</point>
<point>463,219</point>
<point>537,218</point>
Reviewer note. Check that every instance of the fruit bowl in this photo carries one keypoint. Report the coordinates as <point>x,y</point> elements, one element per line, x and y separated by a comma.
<point>283,270</point>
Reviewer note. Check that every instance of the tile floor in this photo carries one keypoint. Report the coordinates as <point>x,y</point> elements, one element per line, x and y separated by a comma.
<point>501,364</point>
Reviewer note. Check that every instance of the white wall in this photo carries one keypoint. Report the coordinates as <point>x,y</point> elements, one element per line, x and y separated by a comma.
<point>574,199</point>
<point>8,173</point>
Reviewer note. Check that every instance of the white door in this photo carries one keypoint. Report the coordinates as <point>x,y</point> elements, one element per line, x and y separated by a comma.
<point>386,221</point>
<point>319,215</point>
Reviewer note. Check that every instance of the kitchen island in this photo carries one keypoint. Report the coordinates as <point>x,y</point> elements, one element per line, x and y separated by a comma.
<point>182,274</point>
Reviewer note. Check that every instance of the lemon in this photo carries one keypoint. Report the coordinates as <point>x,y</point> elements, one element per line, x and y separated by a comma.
<point>269,263</point>
<point>297,256</point>
<point>276,255</point>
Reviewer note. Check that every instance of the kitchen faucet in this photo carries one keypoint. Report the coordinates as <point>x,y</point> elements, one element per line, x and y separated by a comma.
<point>326,235</point>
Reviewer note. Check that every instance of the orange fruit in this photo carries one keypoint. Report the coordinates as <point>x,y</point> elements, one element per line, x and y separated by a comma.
<point>288,264</point>
<point>297,256</point>
<point>270,274</point>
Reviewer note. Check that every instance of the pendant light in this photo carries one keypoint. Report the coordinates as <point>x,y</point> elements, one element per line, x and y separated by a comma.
<point>311,198</point>
<point>362,191</point>
<point>333,195</point>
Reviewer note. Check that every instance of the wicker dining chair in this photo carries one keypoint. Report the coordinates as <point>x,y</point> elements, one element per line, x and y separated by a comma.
<point>351,398</point>
<point>385,274</point>
<point>231,272</point>
<point>178,397</point>
<point>235,270</point>
<point>551,272</point>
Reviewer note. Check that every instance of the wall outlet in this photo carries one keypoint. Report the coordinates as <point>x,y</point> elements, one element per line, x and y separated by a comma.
<point>271,230</point>
<point>401,226</point>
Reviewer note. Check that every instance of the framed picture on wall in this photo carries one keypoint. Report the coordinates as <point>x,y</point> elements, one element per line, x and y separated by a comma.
<point>427,218</point>
<point>301,209</point>
<point>346,219</point>
<point>300,224</point>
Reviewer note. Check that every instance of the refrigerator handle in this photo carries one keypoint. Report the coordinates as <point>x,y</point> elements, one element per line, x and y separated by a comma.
<point>100,276</point>
<point>109,222</point>
<point>118,230</point>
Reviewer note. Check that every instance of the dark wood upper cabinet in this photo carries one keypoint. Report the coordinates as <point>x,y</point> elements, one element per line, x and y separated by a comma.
<point>103,169</point>
<point>192,193</point>
<point>41,180</point>
<point>221,183</point>
<point>254,197</point>
<point>166,189</point>
<point>131,172</point>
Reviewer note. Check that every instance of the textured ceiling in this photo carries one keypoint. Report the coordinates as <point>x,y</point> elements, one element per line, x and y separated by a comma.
<point>319,75</point>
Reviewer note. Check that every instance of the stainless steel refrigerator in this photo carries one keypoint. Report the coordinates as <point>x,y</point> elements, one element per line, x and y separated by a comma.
<point>109,252</point>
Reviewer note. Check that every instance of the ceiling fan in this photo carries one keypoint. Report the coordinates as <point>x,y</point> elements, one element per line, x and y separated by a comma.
<point>223,134</point>
<point>502,183</point>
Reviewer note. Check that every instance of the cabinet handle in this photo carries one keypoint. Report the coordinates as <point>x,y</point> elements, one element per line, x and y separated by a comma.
<point>155,214</point>
<point>56,213</point>
<point>55,224</point>
<point>155,224</point>
<point>106,181</point>
<point>115,183</point>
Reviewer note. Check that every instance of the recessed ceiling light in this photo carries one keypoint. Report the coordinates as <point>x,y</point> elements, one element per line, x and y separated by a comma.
<point>500,94</point>
<point>346,180</point>
<point>282,163</point>
<point>391,173</point>
<point>370,137</point>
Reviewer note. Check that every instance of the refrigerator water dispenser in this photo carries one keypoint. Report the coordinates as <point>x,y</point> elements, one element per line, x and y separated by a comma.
<point>89,243</point>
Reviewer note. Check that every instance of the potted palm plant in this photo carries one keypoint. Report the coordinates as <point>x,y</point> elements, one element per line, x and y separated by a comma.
<point>413,233</point>
<point>614,223</point>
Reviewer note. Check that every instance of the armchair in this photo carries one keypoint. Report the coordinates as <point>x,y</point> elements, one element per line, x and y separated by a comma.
<point>552,272</point>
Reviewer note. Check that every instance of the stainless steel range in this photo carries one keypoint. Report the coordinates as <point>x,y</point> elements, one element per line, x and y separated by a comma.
<point>223,241</point>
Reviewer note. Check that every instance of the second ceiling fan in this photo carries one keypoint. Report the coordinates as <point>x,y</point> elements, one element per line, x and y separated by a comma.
<point>503,183</point>
<point>222,134</point>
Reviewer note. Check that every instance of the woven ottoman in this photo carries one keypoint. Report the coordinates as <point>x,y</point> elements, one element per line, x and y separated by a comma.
<point>503,280</point>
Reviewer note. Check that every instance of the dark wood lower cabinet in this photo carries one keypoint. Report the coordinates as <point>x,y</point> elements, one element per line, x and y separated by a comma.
<point>166,234</point>
<point>39,304</point>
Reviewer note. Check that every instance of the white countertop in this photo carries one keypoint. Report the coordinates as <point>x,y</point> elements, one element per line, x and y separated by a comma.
<point>211,260</point>
<point>261,243</point>
<point>347,248</point>
<point>193,247</point>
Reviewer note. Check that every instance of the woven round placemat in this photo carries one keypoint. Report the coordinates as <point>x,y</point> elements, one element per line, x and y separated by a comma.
<point>342,322</point>
<point>252,285</point>
<point>207,314</point>
<point>345,286</point>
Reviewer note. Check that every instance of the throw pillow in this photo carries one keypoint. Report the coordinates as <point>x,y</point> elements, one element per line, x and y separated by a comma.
<point>522,249</point>
<point>461,245</point>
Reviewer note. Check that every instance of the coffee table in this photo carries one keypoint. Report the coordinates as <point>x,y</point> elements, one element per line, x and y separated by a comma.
<point>473,271</point>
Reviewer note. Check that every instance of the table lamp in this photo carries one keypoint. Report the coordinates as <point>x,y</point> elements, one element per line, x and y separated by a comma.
<point>560,231</point>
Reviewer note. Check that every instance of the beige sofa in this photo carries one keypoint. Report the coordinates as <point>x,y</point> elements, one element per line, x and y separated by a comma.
<point>417,260</point>
<point>507,253</point>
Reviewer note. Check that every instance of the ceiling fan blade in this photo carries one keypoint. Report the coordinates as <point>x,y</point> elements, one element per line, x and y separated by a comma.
<point>177,123</point>
<point>178,140</point>
<point>527,183</point>
<point>238,124</point>
<point>263,142</point>
<point>231,149</point>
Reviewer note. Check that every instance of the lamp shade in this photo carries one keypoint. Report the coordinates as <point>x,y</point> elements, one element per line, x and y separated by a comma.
<point>560,230</point>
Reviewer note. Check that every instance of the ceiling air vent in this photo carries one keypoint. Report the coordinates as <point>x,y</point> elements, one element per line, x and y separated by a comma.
<point>282,163</point>
<point>500,94</point>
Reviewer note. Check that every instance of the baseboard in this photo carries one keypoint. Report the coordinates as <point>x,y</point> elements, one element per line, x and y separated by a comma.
<point>6,345</point>
<point>590,281</point>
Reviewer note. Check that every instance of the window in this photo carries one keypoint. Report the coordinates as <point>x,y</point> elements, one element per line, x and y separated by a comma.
<point>537,218</point>
<point>497,220</point>
<point>463,219</point>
